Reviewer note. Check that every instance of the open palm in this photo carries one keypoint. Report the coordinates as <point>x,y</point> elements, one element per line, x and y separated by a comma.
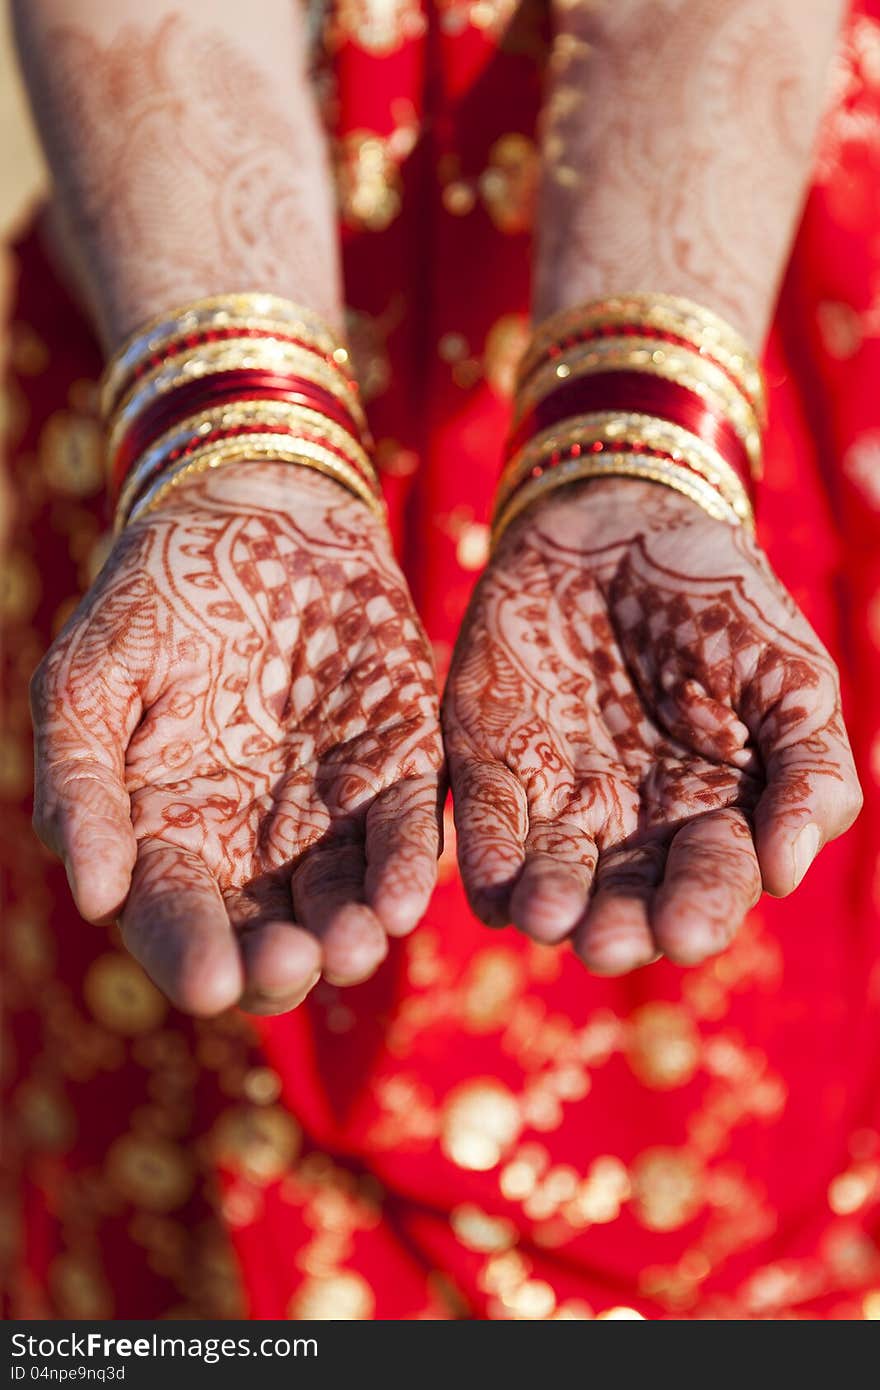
<point>238,744</point>
<point>642,729</point>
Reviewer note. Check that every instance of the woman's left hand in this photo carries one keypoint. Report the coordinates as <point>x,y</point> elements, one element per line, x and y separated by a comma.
<point>642,730</point>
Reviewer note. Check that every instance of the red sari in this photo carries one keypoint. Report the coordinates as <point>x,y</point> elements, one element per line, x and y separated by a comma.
<point>483,1130</point>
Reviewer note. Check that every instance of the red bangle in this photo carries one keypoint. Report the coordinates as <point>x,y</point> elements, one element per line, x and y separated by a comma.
<point>226,388</point>
<point>642,393</point>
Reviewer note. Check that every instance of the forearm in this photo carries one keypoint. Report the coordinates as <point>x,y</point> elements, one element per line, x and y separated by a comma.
<point>185,149</point>
<point>678,137</point>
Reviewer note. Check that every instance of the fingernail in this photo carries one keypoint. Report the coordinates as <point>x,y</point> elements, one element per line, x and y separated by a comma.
<point>804,851</point>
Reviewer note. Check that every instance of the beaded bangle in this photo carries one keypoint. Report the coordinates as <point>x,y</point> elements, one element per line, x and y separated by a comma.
<point>646,386</point>
<point>662,316</point>
<point>266,312</point>
<point>229,378</point>
<point>270,447</point>
<point>239,420</point>
<point>610,432</point>
<point>624,465</point>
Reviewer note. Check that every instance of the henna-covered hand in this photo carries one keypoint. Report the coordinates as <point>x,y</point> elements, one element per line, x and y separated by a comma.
<point>238,744</point>
<point>641,728</point>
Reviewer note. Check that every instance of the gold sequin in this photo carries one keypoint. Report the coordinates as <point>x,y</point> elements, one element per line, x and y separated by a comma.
<point>662,1045</point>
<point>509,185</point>
<point>493,980</point>
<point>79,1288</point>
<point>479,1231</point>
<point>71,453</point>
<point>459,198</point>
<point>343,1296</point>
<point>534,1300</point>
<point>261,1143</point>
<point>849,1192</point>
<point>601,1194</point>
<point>19,587</point>
<point>28,354</point>
<point>150,1172</point>
<point>368,181</point>
<point>121,997</point>
<point>378,26</point>
<point>667,1188</point>
<point>30,945</point>
<point>480,1119</point>
<point>262,1085</point>
<point>46,1118</point>
<point>573,1309</point>
<point>505,343</point>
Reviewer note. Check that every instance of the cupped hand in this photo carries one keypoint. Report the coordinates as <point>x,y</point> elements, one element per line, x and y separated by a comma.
<point>642,729</point>
<point>237,742</point>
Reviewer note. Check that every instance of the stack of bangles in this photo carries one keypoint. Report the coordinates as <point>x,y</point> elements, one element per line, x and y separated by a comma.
<point>638,386</point>
<point>239,377</point>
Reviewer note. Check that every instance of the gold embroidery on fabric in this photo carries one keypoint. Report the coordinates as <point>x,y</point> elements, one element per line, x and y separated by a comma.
<point>378,26</point>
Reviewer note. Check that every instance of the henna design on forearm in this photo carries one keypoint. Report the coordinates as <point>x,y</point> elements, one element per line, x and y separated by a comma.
<point>677,144</point>
<point>184,165</point>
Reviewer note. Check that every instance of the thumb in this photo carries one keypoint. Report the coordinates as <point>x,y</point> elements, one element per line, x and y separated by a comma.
<point>85,708</point>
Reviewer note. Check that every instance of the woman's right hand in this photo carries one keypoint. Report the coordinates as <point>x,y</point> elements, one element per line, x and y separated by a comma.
<point>237,742</point>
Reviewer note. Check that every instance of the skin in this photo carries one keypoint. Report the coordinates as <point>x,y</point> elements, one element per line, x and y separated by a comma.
<point>238,756</point>
<point>677,139</point>
<point>238,745</point>
<point>617,782</point>
<point>642,730</point>
<point>186,153</point>
<point>245,857</point>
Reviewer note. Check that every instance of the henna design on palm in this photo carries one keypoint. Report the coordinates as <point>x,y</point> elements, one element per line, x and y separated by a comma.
<point>642,730</point>
<point>240,724</point>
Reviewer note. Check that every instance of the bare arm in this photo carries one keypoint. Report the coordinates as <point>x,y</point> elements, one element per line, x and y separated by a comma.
<point>185,151</point>
<point>678,140</point>
<point>253,813</point>
<point>642,730</point>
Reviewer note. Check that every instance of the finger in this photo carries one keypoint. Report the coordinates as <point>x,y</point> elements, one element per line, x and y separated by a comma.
<point>551,894</point>
<point>615,936</point>
<point>697,720</point>
<point>812,793</point>
<point>328,899</point>
<point>491,822</point>
<point>281,961</point>
<point>282,965</point>
<point>402,844</point>
<point>81,806</point>
<point>712,880</point>
<point>176,925</point>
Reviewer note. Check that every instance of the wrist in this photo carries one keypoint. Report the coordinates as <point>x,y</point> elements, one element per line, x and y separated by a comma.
<point>264,484</point>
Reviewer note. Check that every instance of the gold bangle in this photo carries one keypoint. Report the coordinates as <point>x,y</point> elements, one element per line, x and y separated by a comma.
<point>709,334</point>
<point>268,447</point>
<point>247,309</point>
<point>615,427</point>
<point>615,465</point>
<point>265,413</point>
<point>685,367</point>
<point>217,358</point>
